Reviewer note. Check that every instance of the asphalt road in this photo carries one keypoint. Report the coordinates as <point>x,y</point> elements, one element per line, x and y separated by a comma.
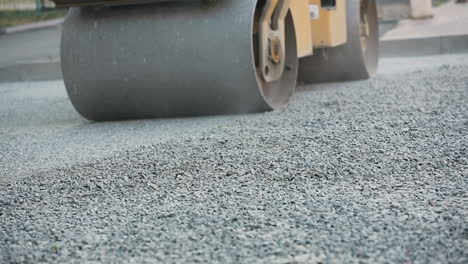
<point>361,172</point>
<point>30,47</point>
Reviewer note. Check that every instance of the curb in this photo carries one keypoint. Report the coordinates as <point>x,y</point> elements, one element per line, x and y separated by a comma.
<point>387,25</point>
<point>424,46</point>
<point>31,27</point>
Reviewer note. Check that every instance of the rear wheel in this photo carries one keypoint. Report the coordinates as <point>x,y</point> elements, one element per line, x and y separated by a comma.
<point>355,60</point>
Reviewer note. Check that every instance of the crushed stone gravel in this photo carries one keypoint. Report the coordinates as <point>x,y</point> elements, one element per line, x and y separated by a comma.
<point>360,172</point>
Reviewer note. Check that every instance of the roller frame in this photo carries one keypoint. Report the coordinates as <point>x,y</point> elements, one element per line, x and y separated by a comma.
<point>272,39</point>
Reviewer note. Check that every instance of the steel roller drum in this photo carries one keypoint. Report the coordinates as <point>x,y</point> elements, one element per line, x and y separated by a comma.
<point>182,58</point>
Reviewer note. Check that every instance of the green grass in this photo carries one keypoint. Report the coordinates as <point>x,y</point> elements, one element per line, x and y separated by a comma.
<point>20,17</point>
<point>437,3</point>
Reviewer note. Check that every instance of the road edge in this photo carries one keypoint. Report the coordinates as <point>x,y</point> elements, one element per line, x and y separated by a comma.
<point>427,46</point>
<point>32,26</point>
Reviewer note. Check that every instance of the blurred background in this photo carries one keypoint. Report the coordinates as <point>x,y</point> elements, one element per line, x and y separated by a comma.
<point>30,33</point>
<point>17,12</point>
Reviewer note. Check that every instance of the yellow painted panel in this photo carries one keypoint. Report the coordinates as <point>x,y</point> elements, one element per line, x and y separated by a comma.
<point>330,29</point>
<point>300,13</point>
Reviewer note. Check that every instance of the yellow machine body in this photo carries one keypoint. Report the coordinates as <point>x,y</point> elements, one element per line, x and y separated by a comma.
<point>327,28</point>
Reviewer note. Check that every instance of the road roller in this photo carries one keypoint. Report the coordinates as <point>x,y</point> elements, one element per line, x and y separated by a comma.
<point>133,59</point>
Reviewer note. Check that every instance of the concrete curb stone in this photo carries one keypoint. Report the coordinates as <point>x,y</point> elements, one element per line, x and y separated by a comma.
<point>33,26</point>
<point>424,46</point>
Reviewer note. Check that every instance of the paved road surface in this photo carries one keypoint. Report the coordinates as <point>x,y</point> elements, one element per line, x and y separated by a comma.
<point>373,171</point>
<point>30,47</point>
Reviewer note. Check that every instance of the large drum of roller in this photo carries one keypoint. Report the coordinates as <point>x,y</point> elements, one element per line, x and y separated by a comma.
<point>180,58</point>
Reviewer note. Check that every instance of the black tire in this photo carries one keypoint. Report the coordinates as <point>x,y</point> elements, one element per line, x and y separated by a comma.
<point>355,60</point>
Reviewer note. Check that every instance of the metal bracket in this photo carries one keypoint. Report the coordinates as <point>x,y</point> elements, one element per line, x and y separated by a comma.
<point>272,39</point>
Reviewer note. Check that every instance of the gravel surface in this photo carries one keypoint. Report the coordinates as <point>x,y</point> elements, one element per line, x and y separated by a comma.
<point>363,172</point>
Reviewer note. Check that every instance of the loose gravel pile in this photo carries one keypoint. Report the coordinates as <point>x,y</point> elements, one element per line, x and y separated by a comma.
<point>363,172</point>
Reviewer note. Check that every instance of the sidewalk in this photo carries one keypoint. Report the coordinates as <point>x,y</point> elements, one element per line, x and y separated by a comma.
<point>449,19</point>
<point>445,33</point>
